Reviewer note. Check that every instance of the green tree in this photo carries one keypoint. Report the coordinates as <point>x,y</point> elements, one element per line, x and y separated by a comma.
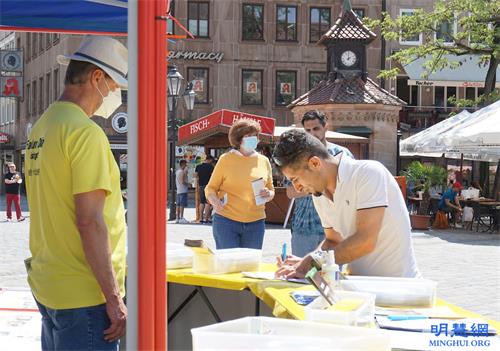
<point>478,32</point>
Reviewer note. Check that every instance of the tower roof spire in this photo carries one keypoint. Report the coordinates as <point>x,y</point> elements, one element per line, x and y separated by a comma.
<point>346,6</point>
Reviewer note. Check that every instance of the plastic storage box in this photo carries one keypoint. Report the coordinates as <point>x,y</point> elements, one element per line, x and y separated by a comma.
<point>179,256</point>
<point>409,292</point>
<point>362,316</point>
<point>227,261</point>
<point>265,333</point>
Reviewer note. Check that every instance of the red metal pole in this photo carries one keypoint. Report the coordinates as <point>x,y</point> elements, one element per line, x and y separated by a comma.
<point>152,179</point>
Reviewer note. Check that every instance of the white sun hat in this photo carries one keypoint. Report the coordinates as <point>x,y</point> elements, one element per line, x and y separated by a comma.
<point>105,52</point>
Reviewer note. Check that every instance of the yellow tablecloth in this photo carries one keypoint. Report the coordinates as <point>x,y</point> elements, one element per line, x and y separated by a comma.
<point>231,281</point>
<point>275,293</point>
<point>286,307</point>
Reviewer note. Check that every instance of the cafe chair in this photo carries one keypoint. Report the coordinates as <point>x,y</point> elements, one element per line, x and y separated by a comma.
<point>482,216</point>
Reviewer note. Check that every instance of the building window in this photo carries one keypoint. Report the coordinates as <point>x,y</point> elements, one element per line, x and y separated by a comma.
<point>34,45</point>
<point>40,42</point>
<point>402,90</point>
<point>470,93</point>
<point>315,78</point>
<point>359,12</point>
<point>198,18</point>
<point>170,23</point>
<point>48,90</point>
<point>27,53</point>
<point>404,39</point>
<point>251,87</point>
<point>286,85</point>
<point>56,84</point>
<point>414,95</point>
<point>48,40</point>
<point>446,31</point>
<point>33,100</point>
<point>319,23</point>
<point>199,77</point>
<point>28,98</point>
<point>286,23</point>
<point>451,92</point>
<point>40,97</point>
<point>439,97</point>
<point>253,22</point>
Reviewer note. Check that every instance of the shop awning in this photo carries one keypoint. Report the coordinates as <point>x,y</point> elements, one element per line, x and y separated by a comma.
<point>85,16</point>
<point>356,130</point>
<point>469,74</point>
<point>218,123</point>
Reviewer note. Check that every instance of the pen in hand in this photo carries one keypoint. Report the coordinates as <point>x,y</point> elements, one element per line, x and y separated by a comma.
<point>283,252</point>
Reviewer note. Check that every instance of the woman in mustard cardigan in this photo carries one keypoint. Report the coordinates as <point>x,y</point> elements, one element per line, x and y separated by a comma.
<point>238,220</point>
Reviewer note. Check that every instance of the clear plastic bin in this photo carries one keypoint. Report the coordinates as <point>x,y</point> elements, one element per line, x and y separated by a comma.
<point>408,292</point>
<point>265,333</point>
<point>363,316</point>
<point>179,256</point>
<point>227,261</point>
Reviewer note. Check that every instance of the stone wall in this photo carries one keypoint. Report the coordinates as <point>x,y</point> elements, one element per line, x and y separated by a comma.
<point>381,119</point>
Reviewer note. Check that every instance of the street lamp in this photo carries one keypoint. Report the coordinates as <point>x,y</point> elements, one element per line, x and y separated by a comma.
<point>175,79</point>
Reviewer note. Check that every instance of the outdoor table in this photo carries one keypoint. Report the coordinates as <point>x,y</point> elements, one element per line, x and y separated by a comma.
<point>286,307</point>
<point>227,296</point>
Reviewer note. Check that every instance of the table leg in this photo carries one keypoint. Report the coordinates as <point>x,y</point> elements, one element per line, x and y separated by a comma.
<point>208,303</point>
<point>181,306</point>
<point>257,306</point>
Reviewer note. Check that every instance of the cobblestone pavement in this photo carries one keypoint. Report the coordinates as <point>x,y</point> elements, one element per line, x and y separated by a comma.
<point>466,265</point>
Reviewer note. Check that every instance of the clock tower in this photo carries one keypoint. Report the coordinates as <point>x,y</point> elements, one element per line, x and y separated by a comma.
<point>353,102</point>
<point>346,43</point>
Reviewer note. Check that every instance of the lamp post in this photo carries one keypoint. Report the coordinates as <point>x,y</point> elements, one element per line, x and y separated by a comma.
<point>175,79</point>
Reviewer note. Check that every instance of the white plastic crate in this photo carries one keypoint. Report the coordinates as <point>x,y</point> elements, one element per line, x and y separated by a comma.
<point>410,292</point>
<point>363,316</point>
<point>265,333</point>
<point>179,256</point>
<point>227,261</point>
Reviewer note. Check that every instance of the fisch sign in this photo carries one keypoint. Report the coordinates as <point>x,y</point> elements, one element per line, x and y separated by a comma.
<point>222,117</point>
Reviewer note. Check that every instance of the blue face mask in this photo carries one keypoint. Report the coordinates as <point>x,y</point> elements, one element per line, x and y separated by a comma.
<point>249,143</point>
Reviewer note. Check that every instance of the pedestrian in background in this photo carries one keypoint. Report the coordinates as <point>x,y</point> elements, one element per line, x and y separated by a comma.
<point>203,172</point>
<point>13,180</point>
<point>239,214</point>
<point>307,229</point>
<point>181,182</point>
<point>77,218</point>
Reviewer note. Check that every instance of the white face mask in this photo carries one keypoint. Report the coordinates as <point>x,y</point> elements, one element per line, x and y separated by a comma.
<point>109,103</point>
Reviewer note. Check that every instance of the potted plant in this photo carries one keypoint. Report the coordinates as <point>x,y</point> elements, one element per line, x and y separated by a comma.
<point>424,177</point>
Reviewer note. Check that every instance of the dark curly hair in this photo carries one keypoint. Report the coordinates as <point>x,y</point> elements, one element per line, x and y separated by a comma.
<point>296,145</point>
<point>314,114</point>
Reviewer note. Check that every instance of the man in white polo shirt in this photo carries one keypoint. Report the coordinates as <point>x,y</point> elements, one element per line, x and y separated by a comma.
<point>360,206</point>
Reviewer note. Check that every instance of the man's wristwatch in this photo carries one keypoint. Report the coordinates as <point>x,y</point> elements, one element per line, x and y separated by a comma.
<point>318,258</point>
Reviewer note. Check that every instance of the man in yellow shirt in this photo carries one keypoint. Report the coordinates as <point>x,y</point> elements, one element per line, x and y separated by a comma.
<point>77,230</point>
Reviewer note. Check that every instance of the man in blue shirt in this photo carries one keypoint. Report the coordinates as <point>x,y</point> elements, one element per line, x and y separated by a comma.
<point>449,202</point>
<point>307,231</point>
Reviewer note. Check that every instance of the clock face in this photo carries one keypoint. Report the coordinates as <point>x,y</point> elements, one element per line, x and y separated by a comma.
<point>348,58</point>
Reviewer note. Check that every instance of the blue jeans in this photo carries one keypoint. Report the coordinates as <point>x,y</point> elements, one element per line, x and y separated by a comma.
<point>229,234</point>
<point>302,244</point>
<point>75,328</point>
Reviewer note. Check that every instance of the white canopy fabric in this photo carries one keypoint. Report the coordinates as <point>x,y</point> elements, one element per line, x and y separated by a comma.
<point>478,138</point>
<point>426,142</point>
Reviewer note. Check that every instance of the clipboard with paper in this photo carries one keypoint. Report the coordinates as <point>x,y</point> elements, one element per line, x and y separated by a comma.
<point>257,186</point>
